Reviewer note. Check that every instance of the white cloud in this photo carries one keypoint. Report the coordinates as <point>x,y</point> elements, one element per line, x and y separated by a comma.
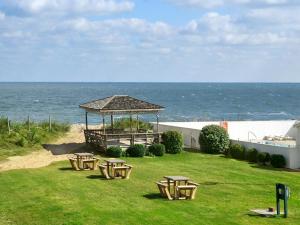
<point>276,15</point>
<point>122,26</point>
<point>70,6</point>
<point>2,16</point>
<point>218,3</point>
<point>214,28</point>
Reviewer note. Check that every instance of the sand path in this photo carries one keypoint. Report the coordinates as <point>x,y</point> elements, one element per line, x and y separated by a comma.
<point>72,142</point>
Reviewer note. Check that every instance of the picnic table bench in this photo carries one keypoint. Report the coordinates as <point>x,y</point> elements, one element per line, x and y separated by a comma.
<point>83,161</point>
<point>177,187</point>
<point>115,168</point>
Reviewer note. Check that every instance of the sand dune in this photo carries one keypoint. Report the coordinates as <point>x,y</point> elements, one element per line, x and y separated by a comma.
<point>58,150</point>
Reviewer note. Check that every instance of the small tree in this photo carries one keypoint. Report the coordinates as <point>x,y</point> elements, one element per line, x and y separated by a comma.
<point>157,149</point>
<point>136,150</point>
<point>173,141</point>
<point>251,155</point>
<point>278,161</point>
<point>114,151</point>
<point>214,139</point>
<point>237,151</point>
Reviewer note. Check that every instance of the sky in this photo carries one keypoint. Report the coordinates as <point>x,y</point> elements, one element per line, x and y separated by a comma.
<point>150,40</point>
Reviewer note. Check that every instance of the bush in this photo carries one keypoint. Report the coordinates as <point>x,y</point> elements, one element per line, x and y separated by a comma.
<point>263,157</point>
<point>136,150</point>
<point>157,149</point>
<point>173,141</point>
<point>214,139</point>
<point>251,155</point>
<point>237,151</point>
<point>278,161</point>
<point>114,151</point>
<point>22,142</point>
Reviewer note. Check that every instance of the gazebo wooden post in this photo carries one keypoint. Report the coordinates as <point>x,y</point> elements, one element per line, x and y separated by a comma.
<point>112,122</point>
<point>137,120</point>
<point>103,123</point>
<point>157,123</point>
<point>130,123</point>
<point>157,127</point>
<point>86,121</point>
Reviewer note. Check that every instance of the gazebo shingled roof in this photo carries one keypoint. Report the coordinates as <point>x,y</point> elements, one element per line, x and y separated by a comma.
<point>120,104</point>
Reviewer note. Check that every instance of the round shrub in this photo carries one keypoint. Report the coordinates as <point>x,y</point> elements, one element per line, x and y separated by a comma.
<point>136,150</point>
<point>214,139</point>
<point>278,161</point>
<point>157,149</point>
<point>251,155</point>
<point>114,151</point>
<point>173,141</point>
<point>237,151</point>
<point>263,157</point>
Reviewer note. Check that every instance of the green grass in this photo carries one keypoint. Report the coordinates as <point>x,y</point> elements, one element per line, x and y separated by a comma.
<point>228,189</point>
<point>24,138</point>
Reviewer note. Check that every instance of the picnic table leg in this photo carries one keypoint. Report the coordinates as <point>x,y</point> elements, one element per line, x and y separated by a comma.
<point>78,162</point>
<point>169,186</point>
<point>107,167</point>
<point>175,190</point>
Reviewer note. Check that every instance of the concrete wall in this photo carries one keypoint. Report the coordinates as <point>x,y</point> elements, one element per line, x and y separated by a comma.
<point>239,131</point>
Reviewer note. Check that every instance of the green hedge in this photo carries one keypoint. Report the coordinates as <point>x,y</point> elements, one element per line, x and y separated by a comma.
<point>214,139</point>
<point>251,155</point>
<point>114,151</point>
<point>136,150</point>
<point>278,161</point>
<point>237,151</point>
<point>157,149</point>
<point>263,158</point>
<point>173,141</point>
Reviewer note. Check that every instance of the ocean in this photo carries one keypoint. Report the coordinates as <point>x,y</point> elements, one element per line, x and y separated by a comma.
<point>182,101</point>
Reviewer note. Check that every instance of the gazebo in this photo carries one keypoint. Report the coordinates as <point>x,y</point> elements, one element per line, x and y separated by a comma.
<point>120,105</point>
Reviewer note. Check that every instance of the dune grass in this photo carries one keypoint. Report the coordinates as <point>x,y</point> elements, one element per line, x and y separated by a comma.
<point>24,137</point>
<point>228,189</point>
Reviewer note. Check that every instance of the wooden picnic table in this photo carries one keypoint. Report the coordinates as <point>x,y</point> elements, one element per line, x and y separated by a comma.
<point>110,163</point>
<point>81,156</point>
<point>176,180</point>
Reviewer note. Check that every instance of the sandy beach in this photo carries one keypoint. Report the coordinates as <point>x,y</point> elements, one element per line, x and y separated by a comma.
<point>58,150</point>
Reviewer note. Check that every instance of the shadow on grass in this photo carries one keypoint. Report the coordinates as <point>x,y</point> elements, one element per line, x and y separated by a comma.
<point>153,196</point>
<point>65,168</point>
<point>211,183</point>
<point>265,167</point>
<point>191,150</point>
<point>96,177</point>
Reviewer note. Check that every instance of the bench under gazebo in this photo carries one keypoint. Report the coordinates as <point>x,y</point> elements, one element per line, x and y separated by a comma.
<point>118,105</point>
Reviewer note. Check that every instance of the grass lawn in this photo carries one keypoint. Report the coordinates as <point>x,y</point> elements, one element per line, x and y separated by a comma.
<point>229,188</point>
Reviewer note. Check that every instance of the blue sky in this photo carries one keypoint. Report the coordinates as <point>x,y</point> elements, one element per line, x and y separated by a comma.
<point>150,40</point>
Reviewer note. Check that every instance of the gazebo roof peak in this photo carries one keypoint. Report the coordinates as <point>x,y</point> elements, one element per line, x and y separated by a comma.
<point>118,104</point>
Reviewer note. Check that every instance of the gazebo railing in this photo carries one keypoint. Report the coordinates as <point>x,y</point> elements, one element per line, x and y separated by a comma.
<point>98,137</point>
